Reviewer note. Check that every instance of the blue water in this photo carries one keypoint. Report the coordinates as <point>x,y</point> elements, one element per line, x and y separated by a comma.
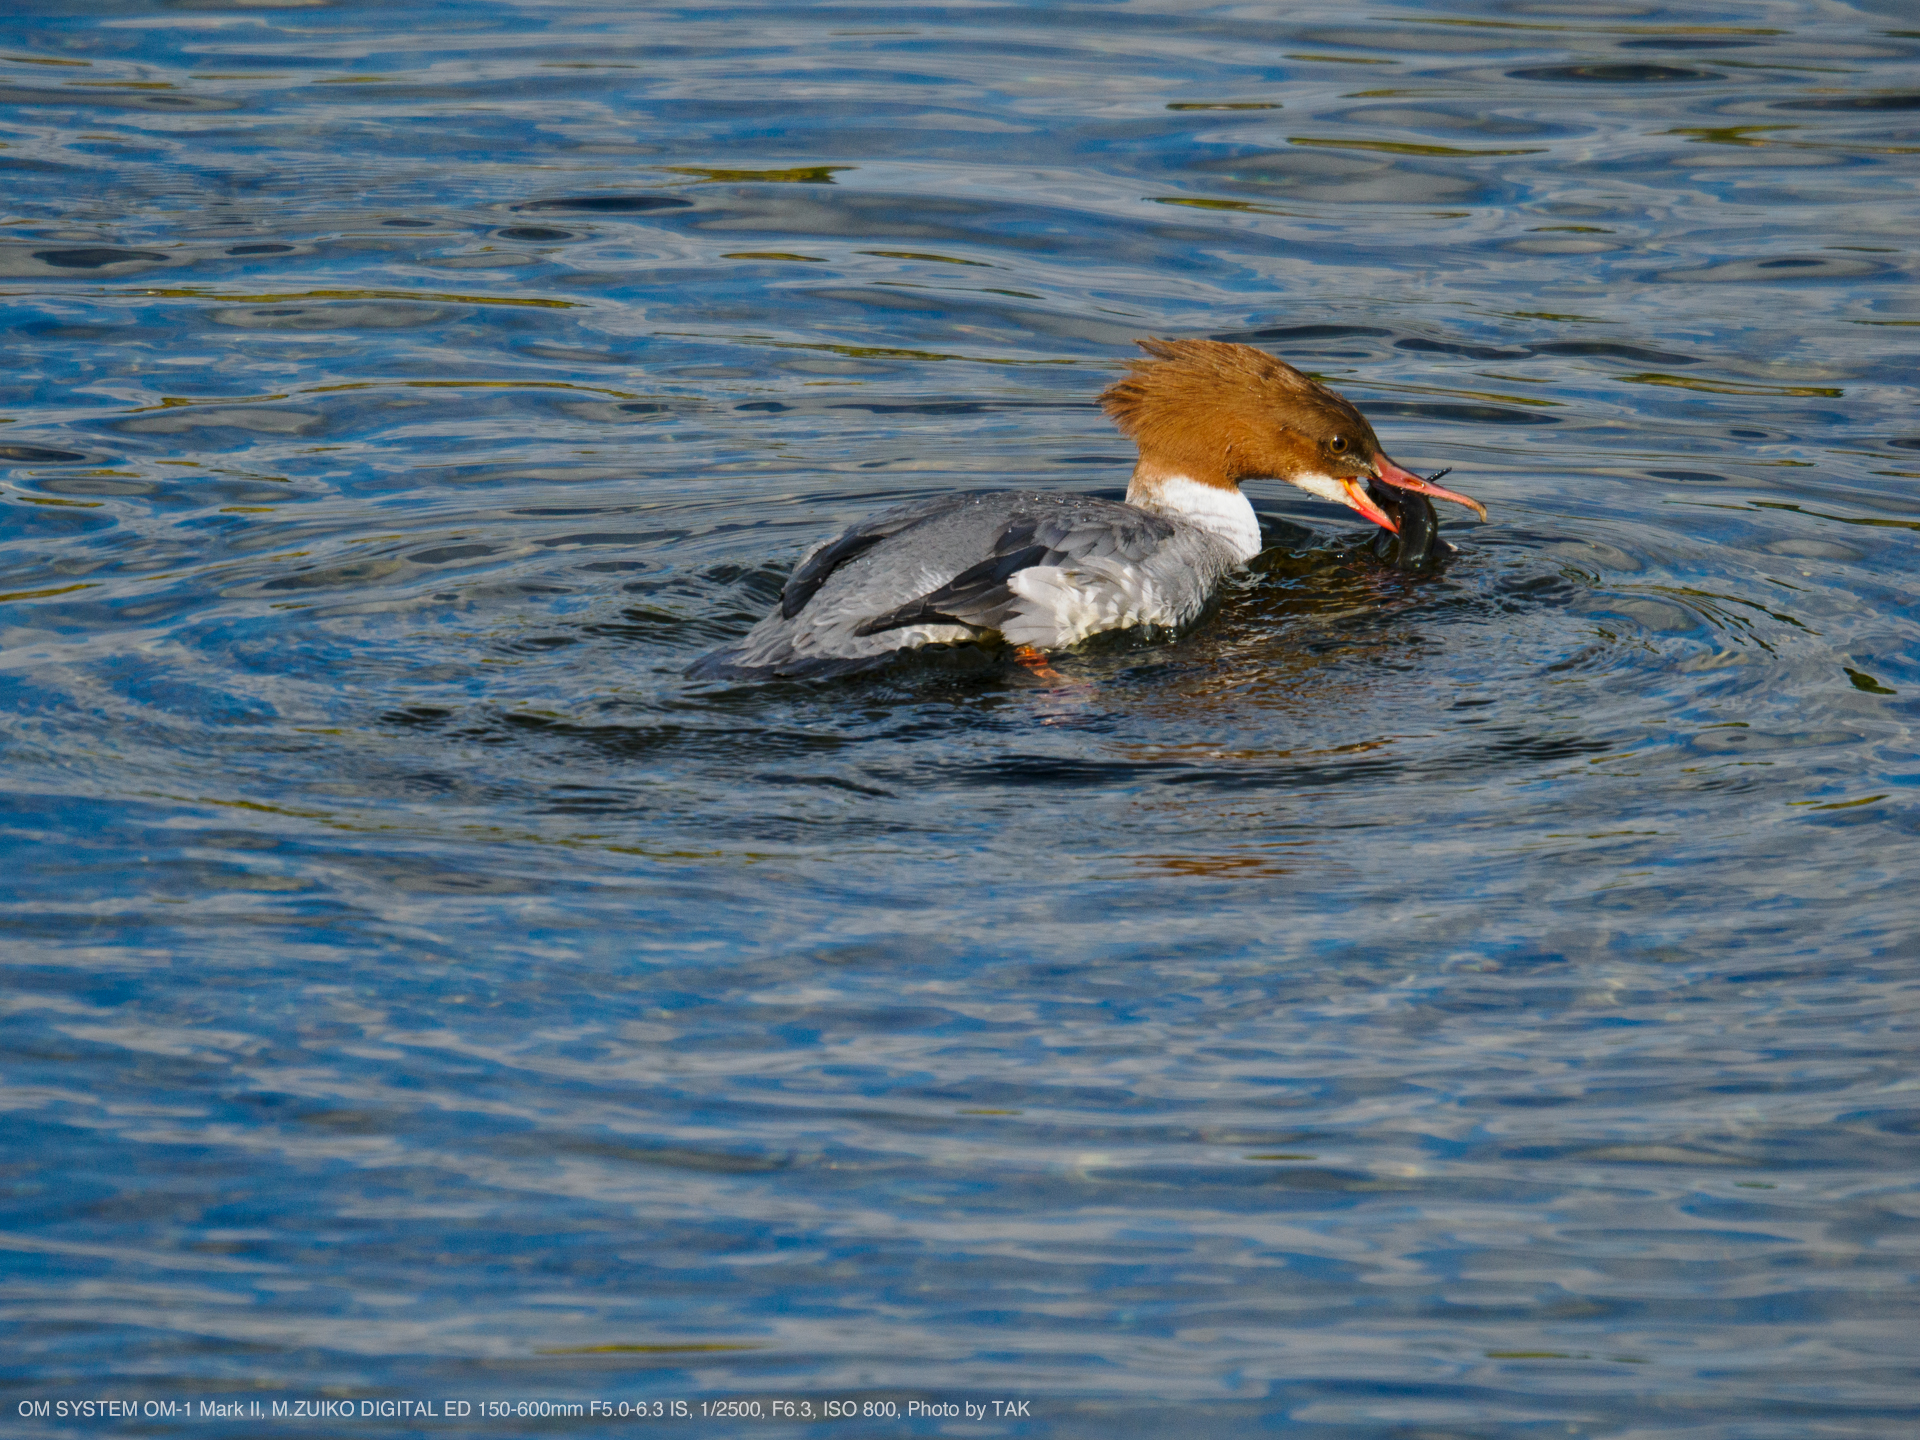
<point>1479,1006</point>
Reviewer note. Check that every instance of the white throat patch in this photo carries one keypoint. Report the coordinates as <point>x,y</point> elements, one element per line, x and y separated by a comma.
<point>1325,487</point>
<point>1225,513</point>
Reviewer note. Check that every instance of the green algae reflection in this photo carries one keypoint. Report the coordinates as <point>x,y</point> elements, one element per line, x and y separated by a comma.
<point>195,292</point>
<point>1207,202</point>
<point>925,255</point>
<point>1729,387</point>
<point>646,1349</point>
<point>800,175</point>
<point>1396,147</point>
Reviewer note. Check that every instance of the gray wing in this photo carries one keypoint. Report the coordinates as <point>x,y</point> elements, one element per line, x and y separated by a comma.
<point>933,568</point>
<point>818,565</point>
<point>1040,529</point>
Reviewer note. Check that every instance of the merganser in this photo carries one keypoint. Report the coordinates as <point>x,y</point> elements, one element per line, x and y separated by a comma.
<point>1046,569</point>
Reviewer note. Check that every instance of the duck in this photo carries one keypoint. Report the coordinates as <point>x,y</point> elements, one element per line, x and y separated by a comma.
<point>1041,570</point>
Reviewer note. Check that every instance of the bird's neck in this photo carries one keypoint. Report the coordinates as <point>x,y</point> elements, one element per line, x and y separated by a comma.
<point>1212,504</point>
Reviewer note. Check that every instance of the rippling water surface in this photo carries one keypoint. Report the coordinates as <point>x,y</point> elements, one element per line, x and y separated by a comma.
<point>1474,1006</point>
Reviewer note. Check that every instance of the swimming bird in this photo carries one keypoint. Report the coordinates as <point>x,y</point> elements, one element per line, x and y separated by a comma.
<point>1045,569</point>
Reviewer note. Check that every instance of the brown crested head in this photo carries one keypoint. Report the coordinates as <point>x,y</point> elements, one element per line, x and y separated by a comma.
<point>1220,413</point>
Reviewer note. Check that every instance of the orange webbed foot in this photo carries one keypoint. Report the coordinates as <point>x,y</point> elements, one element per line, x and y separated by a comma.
<point>1035,663</point>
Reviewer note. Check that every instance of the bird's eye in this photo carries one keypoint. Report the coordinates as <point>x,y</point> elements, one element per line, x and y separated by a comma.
<point>1338,444</point>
